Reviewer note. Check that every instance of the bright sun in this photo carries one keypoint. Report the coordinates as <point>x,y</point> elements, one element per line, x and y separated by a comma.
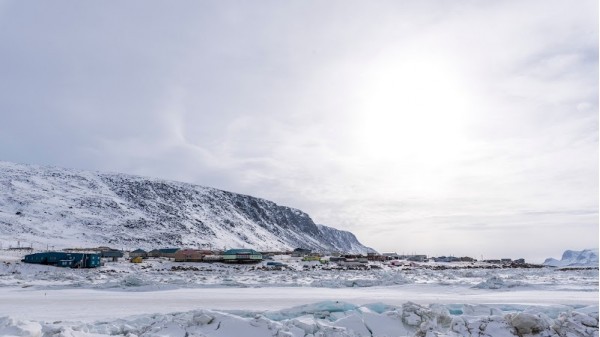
<point>412,108</point>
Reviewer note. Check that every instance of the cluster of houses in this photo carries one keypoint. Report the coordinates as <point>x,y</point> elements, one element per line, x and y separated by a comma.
<point>197,255</point>
<point>448,259</point>
<point>95,257</point>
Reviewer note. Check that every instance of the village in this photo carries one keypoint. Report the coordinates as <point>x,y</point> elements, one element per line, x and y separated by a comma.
<point>273,260</point>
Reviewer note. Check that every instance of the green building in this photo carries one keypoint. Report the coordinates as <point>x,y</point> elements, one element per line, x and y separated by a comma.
<point>242,256</point>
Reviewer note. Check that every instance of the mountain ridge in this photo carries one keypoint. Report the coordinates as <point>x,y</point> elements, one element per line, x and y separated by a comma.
<point>64,207</point>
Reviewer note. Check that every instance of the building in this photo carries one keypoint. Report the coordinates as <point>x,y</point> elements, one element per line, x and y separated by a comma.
<point>163,252</point>
<point>446,259</point>
<point>375,257</point>
<point>312,257</point>
<point>64,259</point>
<point>138,253</point>
<point>416,258</point>
<point>353,264</point>
<point>301,252</point>
<point>112,254</point>
<point>391,256</point>
<point>190,255</point>
<point>242,256</point>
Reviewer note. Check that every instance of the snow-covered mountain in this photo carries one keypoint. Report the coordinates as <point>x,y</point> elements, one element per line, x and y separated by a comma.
<point>50,206</point>
<point>586,257</point>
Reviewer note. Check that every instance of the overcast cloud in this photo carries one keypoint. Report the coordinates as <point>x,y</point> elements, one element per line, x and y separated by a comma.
<point>435,127</point>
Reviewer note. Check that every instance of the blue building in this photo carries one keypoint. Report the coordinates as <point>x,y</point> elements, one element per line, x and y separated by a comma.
<point>62,259</point>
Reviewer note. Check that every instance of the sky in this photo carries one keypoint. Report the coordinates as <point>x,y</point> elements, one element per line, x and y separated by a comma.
<point>429,127</point>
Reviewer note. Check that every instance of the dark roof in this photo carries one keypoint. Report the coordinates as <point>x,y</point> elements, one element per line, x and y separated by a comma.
<point>241,251</point>
<point>168,250</point>
<point>111,253</point>
<point>61,254</point>
<point>139,251</point>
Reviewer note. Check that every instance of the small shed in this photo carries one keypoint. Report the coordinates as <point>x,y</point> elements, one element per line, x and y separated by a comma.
<point>242,256</point>
<point>137,259</point>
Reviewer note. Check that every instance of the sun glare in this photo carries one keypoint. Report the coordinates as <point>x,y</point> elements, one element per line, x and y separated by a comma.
<point>412,108</point>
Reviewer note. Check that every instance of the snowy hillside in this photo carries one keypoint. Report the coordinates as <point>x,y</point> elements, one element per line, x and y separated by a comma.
<point>64,208</point>
<point>586,257</point>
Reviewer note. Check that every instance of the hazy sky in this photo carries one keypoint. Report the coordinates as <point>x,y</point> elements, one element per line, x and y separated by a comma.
<point>434,127</point>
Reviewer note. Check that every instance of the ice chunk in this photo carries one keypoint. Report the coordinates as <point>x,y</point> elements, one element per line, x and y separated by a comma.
<point>479,310</point>
<point>10,327</point>
<point>203,319</point>
<point>320,310</point>
<point>354,322</point>
<point>526,323</point>
<point>307,323</point>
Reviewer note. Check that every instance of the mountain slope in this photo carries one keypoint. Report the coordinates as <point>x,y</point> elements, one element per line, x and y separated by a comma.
<point>586,257</point>
<point>62,207</point>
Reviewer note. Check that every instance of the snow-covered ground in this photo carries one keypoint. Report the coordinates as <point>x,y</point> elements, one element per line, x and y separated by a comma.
<point>164,298</point>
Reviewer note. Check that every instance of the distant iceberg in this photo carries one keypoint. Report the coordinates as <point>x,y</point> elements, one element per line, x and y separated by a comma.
<point>574,258</point>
